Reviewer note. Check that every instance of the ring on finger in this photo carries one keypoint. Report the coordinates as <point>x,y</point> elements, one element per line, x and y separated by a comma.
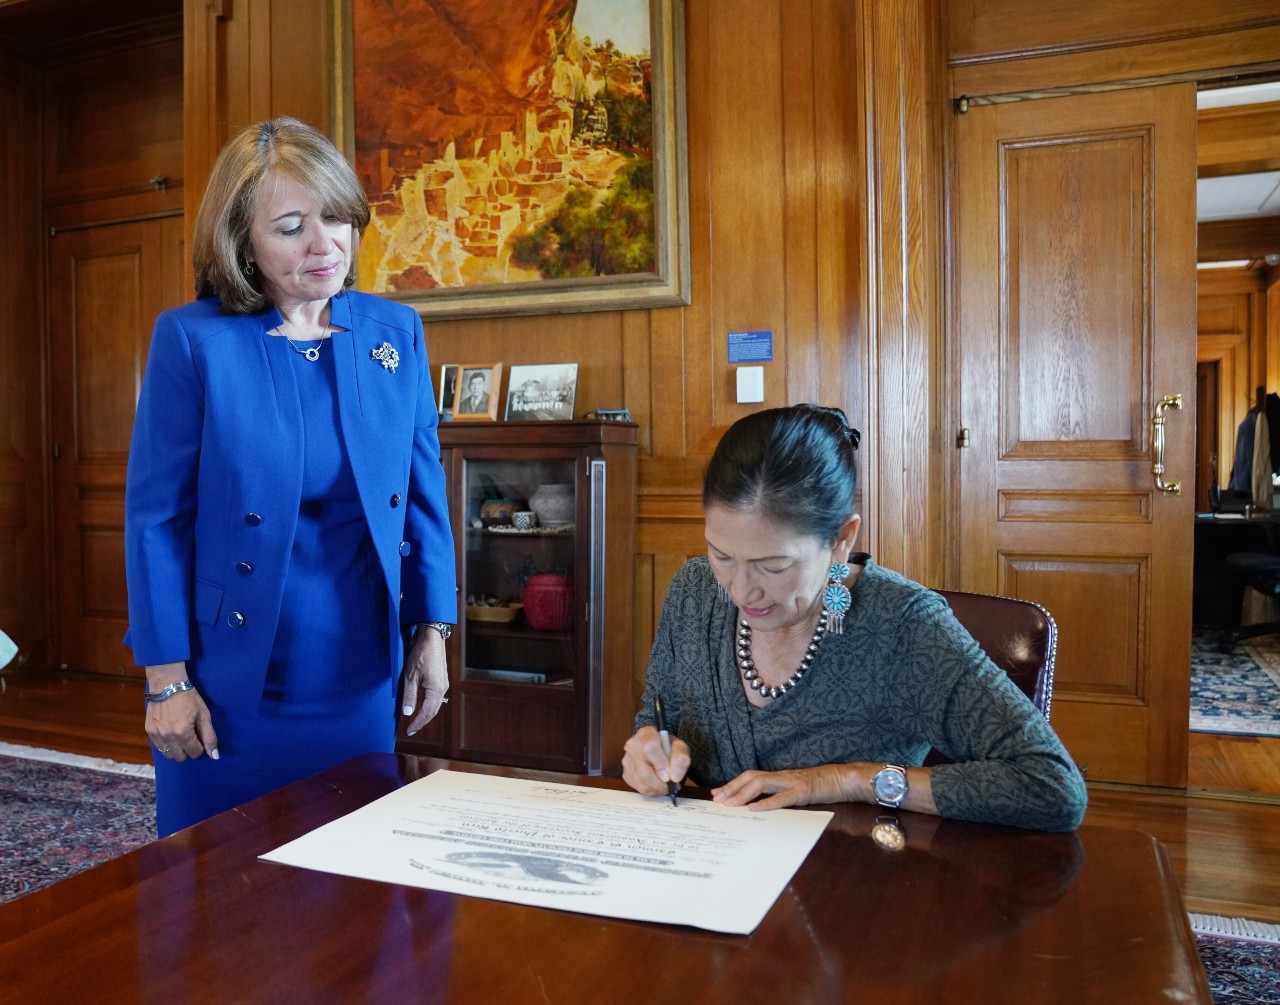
<point>444,701</point>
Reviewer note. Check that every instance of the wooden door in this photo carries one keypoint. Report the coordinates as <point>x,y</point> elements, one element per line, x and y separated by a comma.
<point>1075,297</point>
<point>106,285</point>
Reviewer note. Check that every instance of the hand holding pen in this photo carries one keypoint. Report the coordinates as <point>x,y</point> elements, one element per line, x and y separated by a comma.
<point>672,786</point>
<point>654,761</point>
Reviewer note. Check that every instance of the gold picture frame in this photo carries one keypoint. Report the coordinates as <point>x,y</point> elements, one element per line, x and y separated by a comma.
<point>477,402</point>
<point>458,229</point>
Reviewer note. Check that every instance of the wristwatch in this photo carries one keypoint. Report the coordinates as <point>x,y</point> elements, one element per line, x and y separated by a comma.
<point>889,785</point>
<point>444,630</point>
<point>888,834</point>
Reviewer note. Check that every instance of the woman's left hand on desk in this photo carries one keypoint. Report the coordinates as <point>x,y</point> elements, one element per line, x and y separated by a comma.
<point>800,787</point>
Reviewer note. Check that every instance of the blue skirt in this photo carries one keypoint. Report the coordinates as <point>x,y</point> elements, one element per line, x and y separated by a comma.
<point>257,754</point>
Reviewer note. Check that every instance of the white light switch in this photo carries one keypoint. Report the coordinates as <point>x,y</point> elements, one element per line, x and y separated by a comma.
<point>750,384</point>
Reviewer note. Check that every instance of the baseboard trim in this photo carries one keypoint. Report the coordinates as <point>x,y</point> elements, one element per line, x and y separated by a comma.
<point>76,760</point>
<point>1218,795</point>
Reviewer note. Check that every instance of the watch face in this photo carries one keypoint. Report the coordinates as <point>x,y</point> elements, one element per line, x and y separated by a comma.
<point>888,835</point>
<point>890,786</point>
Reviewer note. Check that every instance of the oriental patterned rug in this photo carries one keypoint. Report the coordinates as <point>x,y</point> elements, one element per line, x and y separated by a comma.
<point>61,813</point>
<point>1235,686</point>
<point>1241,959</point>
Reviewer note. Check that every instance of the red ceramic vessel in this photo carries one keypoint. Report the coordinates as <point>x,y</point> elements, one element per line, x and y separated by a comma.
<point>548,602</point>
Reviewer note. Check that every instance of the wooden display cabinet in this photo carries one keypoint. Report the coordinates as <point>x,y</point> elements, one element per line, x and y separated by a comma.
<point>557,696</point>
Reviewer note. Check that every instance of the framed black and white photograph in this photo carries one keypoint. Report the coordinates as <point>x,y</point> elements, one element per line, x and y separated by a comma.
<point>448,388</point>
<point>541,391</point>
<point>477,391</point>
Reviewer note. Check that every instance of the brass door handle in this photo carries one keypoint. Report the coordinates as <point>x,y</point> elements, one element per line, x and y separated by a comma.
<point>1157,445</point>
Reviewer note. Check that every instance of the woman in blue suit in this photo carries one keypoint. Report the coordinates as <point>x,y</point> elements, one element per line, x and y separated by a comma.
<point>286,526</point>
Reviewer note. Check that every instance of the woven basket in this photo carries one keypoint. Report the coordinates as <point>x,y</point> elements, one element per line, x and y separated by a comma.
<point>548,602</point>
<point>500,615</point>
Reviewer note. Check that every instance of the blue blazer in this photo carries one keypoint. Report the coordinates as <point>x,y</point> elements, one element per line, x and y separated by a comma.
<point>215,482</point>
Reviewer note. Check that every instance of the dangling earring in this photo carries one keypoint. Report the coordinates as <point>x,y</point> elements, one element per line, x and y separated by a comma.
<point>836,598</point>
<point>248,270</point>
<point>724,594</point>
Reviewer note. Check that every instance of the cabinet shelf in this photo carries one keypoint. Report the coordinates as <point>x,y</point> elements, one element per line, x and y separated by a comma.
<point>554,689</point>
<point>516,630</point>
<point>517,532</point>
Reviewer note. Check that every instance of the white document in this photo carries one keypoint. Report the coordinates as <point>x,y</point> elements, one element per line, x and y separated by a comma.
<point>597,851</point>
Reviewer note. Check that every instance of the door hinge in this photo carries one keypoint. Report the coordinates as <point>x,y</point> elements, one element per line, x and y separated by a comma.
<point>962,437</point>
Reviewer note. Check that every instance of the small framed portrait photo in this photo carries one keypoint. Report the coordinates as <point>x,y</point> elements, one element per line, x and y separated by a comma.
<point>542,391</point>
<point>448,389</point>
<point>477,391</point>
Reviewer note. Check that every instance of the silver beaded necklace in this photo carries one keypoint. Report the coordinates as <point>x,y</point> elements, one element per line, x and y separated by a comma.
<point>748,667</point>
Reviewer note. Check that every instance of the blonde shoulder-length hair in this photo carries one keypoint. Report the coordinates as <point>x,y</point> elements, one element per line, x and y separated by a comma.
<point>220,242</point>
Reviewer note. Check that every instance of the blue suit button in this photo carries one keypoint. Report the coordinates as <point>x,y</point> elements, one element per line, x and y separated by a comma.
<point>395,500</point>
<point>244,568</point>
<point>235,620</point>
<point>252,519</point>
<point>405,548</point>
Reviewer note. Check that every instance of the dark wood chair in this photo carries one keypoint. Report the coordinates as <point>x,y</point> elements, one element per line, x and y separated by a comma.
<point>1021,638</point>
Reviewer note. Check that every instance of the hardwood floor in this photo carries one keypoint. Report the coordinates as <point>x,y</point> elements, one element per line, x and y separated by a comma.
<point>1235,763</point>
<point>76,713</point>
<point>1225,849</point>
<point>1224,845</point>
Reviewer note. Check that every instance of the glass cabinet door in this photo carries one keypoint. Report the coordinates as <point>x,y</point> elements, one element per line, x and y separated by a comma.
<point>544,525</point>
<point>518,575</point>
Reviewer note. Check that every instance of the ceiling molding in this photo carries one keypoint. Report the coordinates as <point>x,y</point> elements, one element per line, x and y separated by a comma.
<point>1238,139</point>
<point>1255,237</point>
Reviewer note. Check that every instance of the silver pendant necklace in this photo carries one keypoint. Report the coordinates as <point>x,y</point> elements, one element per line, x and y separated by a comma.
<point>311,353</point>
<point>748,667</point>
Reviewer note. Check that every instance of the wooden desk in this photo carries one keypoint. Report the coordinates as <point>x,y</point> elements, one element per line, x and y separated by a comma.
<point>965,913</point>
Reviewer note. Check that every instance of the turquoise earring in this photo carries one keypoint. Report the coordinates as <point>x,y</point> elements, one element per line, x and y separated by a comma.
<point>836,598</point>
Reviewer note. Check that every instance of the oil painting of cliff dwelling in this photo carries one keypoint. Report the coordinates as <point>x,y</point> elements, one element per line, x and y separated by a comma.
<point>519,155</point>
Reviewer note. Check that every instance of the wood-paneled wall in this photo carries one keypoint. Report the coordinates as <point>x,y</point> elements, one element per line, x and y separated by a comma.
<point>24,555</point>
<point>1011,46</point>
<point>788,102</point>
<point>247,60</point>
<point>1231,331</point>
<point>816,142</point>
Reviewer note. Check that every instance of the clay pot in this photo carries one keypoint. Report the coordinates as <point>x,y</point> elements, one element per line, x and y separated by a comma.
<point>548,602</point>
<point>497,512</point>
<point>553,504</point>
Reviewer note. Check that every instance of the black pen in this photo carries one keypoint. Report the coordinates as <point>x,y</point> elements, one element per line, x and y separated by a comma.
<point>672,787</point>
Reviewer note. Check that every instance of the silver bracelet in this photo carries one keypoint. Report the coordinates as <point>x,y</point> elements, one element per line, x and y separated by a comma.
<point>165,693</point>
